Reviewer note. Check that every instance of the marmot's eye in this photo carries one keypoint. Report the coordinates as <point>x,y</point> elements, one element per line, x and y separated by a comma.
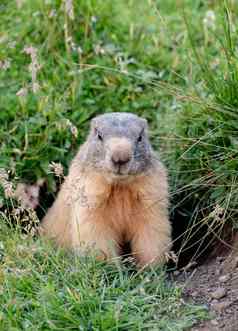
<point>99,135</point>
<point>139,139</point>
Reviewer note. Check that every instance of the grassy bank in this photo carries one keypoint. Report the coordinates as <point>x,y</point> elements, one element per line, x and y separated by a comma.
<point>46,289</point>
<point>174,63</point>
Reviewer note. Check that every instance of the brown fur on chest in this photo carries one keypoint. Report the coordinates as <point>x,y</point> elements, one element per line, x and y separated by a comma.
<point>121,211</point>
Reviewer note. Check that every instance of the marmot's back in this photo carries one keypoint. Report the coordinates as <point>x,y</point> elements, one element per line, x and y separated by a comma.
<point>116,192</point>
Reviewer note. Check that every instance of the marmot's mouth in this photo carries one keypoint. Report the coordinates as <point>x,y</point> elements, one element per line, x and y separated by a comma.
<point>119,176</point>
<point>120,172</point>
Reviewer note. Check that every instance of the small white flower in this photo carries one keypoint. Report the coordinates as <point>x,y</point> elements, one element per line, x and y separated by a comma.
<point>35,87</point>
<point>74,131</point>
<point>72,127</point>
<point>8,190</point>
<point>22,92</point>
<point>52,13</point>
<point>209,20</point>
<point>69,39</point>
<point>30,50</point>
<point>4,65</point>
<point>57,169</point>
<point>218,213</point>
<point>69,9</point>
<point>73,46</point>
<point>80,51</point>
<point>94,19</point>
<point>99,50</point>
<point>34,66</point>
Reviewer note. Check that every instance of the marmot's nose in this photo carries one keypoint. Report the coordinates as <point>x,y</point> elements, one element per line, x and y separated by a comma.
<point>120,158</point>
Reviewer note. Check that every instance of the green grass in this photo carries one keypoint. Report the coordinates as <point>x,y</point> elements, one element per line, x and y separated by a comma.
<point>47,289</point>
<point>155,58</point>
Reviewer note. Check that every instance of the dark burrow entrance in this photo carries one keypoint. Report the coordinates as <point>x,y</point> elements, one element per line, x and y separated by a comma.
<point>199,232</point>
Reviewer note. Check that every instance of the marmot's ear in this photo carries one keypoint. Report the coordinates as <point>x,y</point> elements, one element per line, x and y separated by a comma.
<point>144,123</point>
<point>93,123</point>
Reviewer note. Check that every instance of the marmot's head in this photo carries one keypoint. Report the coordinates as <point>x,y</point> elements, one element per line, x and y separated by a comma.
<point>118,145</point>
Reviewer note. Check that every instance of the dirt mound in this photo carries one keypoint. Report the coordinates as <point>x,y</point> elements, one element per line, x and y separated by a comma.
<point>214,284</point>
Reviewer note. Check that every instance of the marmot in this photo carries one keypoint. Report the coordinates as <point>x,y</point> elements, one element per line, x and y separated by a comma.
<point>116,193</point>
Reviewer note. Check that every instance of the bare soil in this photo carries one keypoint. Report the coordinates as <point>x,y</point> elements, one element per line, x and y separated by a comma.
<point>214,284</point>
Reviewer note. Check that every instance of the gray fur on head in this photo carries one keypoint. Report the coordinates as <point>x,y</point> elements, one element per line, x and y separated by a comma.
<point>118,145</point>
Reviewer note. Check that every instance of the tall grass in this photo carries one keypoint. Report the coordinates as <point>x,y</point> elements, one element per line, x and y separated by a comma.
<point>204,162</point>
